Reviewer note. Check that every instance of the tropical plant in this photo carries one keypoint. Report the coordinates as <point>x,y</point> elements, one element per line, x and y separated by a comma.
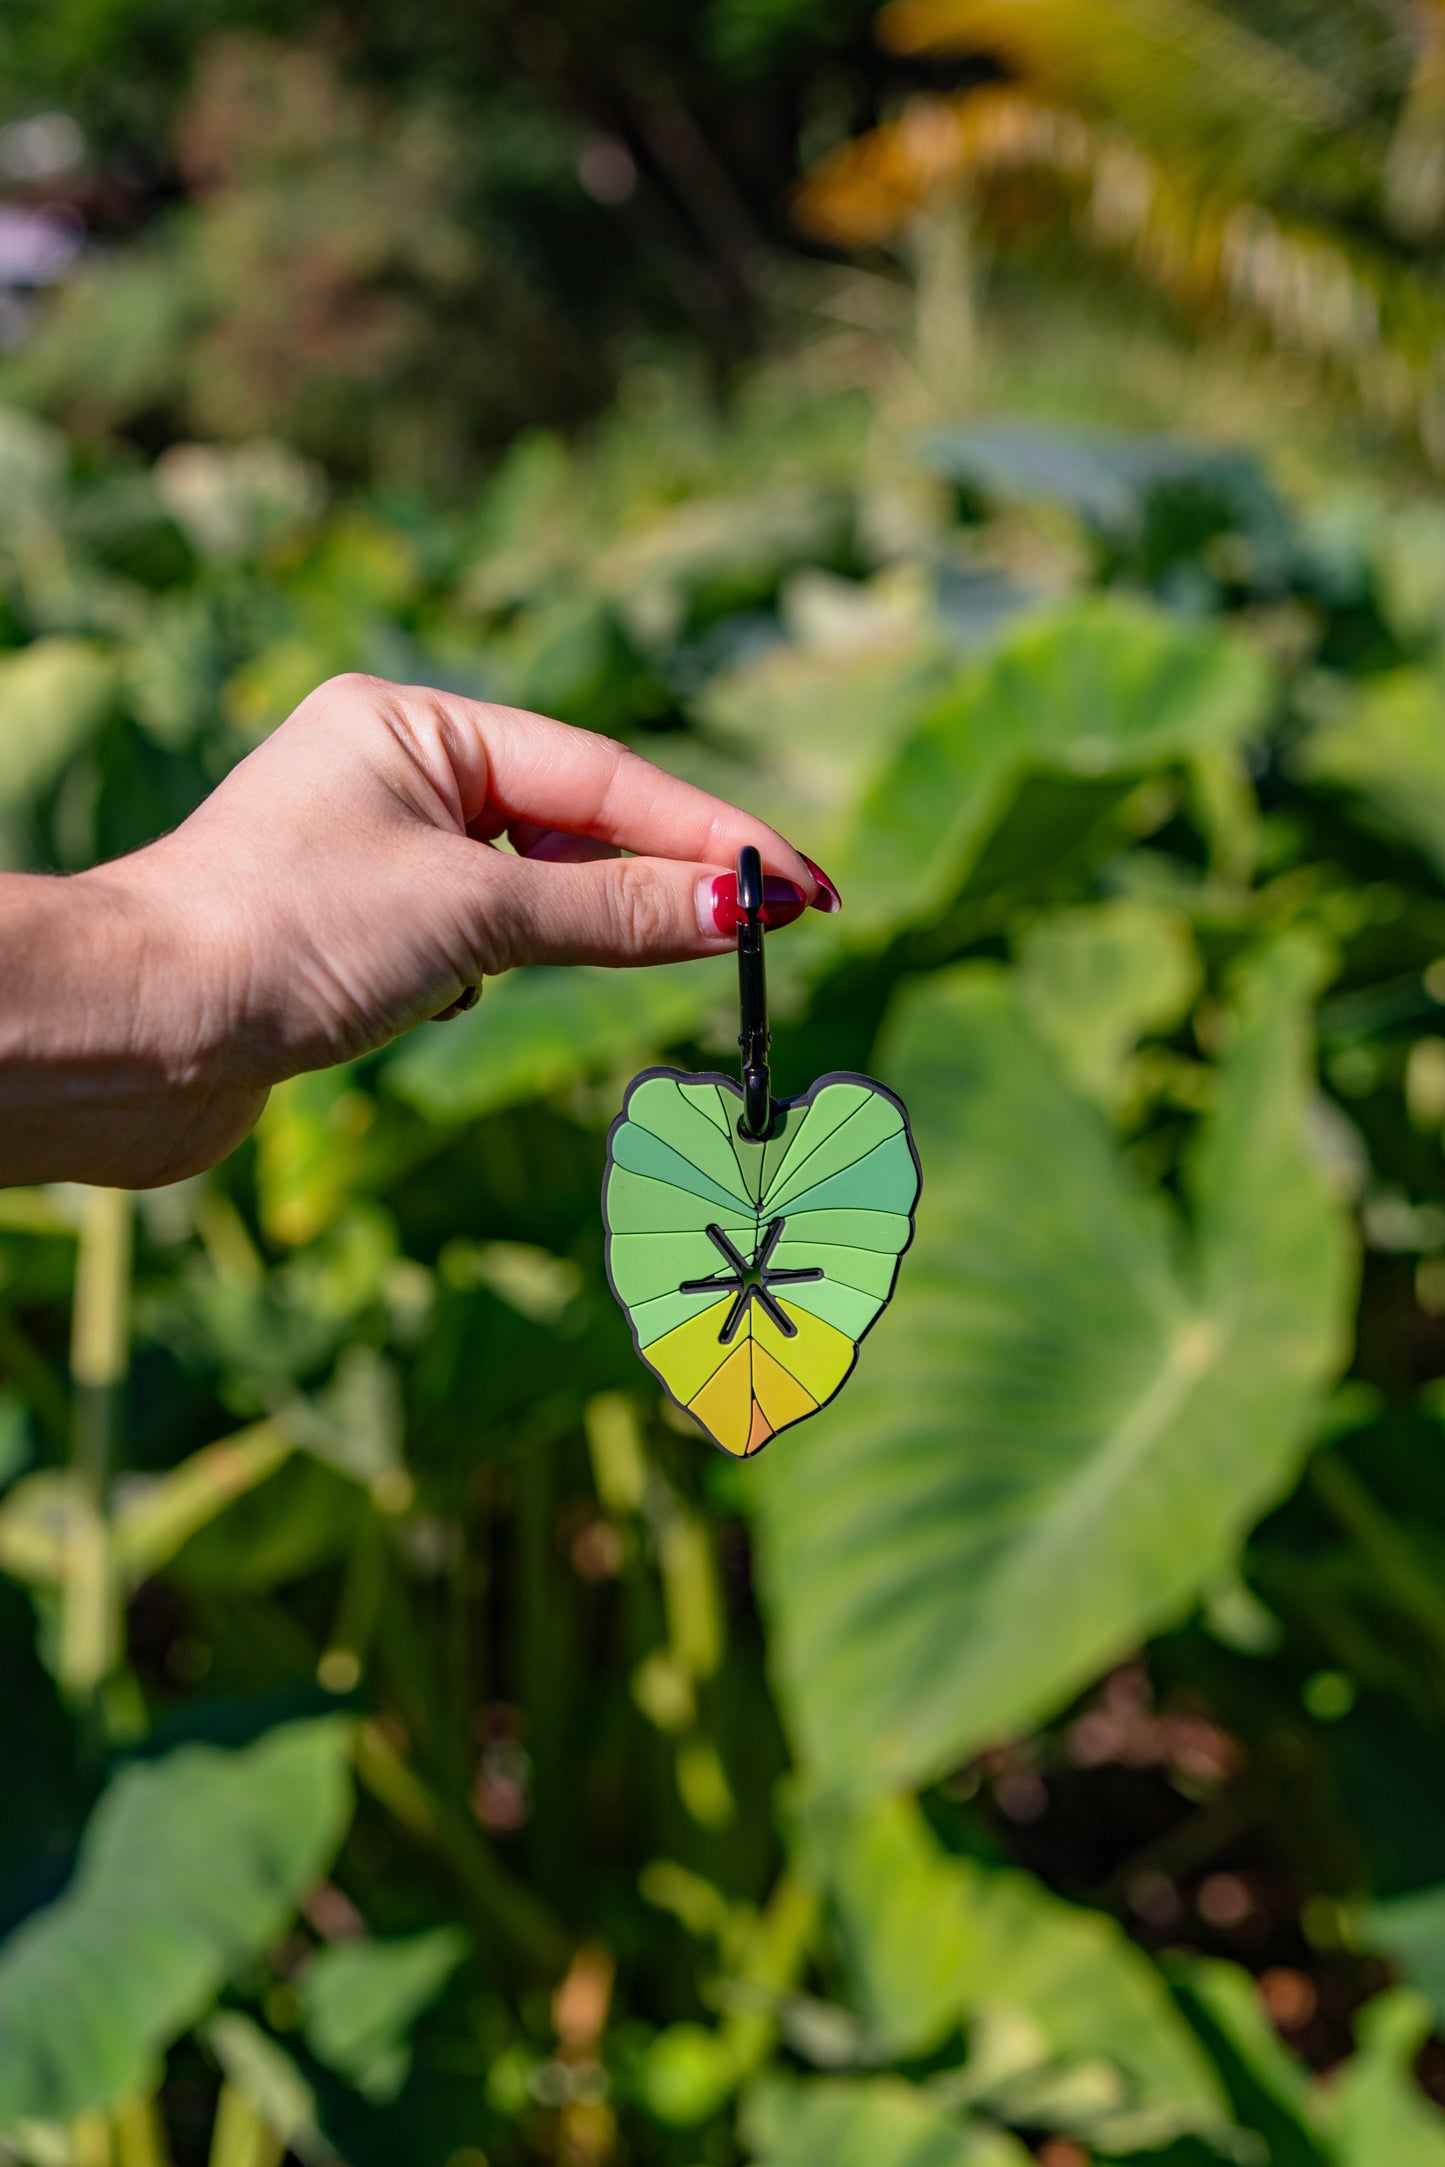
<point>423,1745</point>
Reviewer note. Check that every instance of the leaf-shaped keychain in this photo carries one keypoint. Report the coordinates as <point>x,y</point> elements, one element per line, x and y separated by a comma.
<point>752,1243</point>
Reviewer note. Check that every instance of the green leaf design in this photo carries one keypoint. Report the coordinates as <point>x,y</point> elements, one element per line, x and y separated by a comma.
<point>1076,1415</point>
<point>188,1868</point>
<point>750,1271</point>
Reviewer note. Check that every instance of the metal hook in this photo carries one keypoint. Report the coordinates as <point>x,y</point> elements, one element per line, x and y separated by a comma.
<point>754,1037</point>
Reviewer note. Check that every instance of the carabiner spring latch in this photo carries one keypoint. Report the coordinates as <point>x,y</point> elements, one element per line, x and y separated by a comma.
<point>754,1038</point>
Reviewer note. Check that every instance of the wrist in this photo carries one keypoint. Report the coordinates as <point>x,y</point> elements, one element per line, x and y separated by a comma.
<point>112,1065</point>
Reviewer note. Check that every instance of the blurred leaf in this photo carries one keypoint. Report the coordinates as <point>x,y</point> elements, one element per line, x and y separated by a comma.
<point>230,500</point>
<point>1387,751</point>
<point>868,2122</point>
<point>1108,478</point>
<point>1410,1929</point>
<point>362,1999</point>
<point>796,731</point>
<point>1104,688</point>
<point>189,1867</point>
<point>933,1942</point>
<point>1378,2116</point>
<point>15,1445</point>
<point>720,552</point>
<point>54,695</point>
<point>1095,981</point>
<point>34,459</point>
<point>309,1144</point>
<point>300,1518</point>
<point>998,1507</point>
<point>1268,2087</point>
<point>537,1030</point>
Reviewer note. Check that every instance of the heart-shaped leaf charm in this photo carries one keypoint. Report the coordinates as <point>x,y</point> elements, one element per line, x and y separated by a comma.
<point>750,1271</point>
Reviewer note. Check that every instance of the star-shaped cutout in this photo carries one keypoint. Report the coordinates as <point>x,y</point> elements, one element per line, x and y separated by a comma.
<point>751,1279</point>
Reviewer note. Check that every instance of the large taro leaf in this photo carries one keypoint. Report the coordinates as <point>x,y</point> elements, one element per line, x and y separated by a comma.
<point>1085,2035</point>
<point>1073,1416</point>
<point>189,1867</point>
<point>749,1271</point>
<point>1098,979</point>
<point>1104,689</point>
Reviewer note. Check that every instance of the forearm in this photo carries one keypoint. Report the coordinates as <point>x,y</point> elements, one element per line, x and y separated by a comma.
<point>108,1072</point>
<point>338,887</point>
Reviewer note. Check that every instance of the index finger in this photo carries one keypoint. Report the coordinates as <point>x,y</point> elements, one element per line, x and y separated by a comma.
<point>513,765</point>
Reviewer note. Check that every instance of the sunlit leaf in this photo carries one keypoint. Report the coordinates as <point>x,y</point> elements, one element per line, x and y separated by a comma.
<point>1067,1424</point>
<point>1101,689</point>
<point>1377,2113</point>
<point>188,1868</point>
<point>867,2122</point>
<point>935,1942</point>
<point>1387,751</point>
<point>1267,2085</point>
<point>1094,981</point>
<point>54,695</point>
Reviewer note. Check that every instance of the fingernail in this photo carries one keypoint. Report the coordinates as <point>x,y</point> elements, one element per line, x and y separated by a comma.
<point>717,903</point>
<point>828,898</point>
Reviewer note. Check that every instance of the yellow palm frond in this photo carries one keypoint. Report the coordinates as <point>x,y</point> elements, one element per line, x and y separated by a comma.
<point>1175,73</point>
<point>1414,174</point>
<point>1218,256</point>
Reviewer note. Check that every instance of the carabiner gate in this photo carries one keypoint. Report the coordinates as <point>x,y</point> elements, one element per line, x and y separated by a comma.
<point>754,1038</point>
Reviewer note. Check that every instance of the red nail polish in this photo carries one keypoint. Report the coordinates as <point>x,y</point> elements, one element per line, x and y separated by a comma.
<point>783,901</point>
<point>828,897</point>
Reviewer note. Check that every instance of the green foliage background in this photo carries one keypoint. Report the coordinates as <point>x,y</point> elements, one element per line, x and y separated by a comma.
<point>420,1746</point>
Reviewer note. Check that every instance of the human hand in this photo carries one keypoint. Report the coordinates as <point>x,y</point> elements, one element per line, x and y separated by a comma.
<point>338,887</point>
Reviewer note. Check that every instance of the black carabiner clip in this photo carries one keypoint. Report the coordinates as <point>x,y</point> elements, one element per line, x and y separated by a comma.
<point>754,1038</point>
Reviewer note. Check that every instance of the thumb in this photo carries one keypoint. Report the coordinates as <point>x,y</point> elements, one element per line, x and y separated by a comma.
<point>610,911</point>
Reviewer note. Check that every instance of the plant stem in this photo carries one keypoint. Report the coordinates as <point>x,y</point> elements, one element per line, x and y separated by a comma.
<point>99,1345</point>
<point>502,1903</point>
<point>90,2141</point>
<point>139,2134</point>
<point>240,2138</point>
